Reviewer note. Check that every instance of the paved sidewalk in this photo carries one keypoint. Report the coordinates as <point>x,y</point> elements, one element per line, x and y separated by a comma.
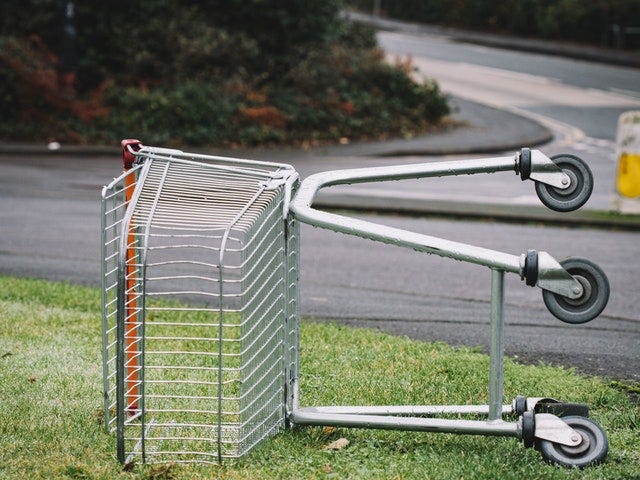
<point>481,129</point>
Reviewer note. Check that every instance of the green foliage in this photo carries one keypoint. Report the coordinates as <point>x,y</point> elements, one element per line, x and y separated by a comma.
<point>213,72</point>
<point>35,98</point>
<point>362,95</point>
<point>200,110</point>
<point>576,20</point>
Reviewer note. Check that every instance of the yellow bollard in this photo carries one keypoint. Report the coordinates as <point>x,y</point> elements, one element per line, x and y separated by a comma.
<point>628,154</point>
<point>628,182</point>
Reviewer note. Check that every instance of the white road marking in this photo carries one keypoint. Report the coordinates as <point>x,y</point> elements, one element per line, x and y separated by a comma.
<point>515,91</point>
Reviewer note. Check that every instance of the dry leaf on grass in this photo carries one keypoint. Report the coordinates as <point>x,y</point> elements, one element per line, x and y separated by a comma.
<point>339,444</point>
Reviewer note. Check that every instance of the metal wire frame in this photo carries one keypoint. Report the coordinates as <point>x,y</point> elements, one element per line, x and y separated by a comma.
<point>189,386</point>
<point>555,278</point>
<point>114,204</point>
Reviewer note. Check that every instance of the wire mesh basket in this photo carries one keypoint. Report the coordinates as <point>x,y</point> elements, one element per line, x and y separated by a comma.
<point>200,305</point>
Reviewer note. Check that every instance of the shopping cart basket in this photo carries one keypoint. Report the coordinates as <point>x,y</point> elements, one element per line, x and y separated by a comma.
<point>201,318</point>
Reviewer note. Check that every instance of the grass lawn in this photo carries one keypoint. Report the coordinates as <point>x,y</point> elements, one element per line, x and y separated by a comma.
<point>51,401</point>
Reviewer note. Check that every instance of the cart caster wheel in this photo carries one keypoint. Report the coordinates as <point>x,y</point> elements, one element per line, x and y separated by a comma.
<point>594,297</point>
<point>591,451</point>
<point>579,190</point>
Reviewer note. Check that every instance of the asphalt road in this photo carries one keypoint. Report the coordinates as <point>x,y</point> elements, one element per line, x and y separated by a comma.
<point>580,101</point>
<point>583,94</point>
<point>432,298</point>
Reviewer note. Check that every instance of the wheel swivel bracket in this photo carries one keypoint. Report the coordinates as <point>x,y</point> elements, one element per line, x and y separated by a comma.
<point>549,427</point>
<point>536,166</point>
<point>542,270</point>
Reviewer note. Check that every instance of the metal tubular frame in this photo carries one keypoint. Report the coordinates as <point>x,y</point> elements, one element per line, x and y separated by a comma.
<point>408,417</point>
<point>553,276</point>
<point>115,200</point>
<point>301,209</point>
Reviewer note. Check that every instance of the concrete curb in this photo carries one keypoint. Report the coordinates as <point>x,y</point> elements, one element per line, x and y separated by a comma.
<point>502,212</point>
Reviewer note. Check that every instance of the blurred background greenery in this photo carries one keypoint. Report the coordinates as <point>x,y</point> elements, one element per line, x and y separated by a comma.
<point>596,22</point>
<point>225,73</point>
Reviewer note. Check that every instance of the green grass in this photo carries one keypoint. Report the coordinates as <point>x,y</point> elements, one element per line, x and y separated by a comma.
<point>50,403</point>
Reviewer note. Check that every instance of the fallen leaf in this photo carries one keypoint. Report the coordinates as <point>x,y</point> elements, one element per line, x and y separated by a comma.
<point>339,444</point>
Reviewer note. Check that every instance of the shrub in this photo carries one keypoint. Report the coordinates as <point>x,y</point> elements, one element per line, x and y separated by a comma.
<point>35,99</point>
<point>213,72</point>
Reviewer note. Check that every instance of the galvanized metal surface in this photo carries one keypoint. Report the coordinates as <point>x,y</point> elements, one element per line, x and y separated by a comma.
<point>549,427</point>
<point>303,211</point>
<point>204,307</point>
<point>406,410</point>
<point>114,205</point>
<point>496,346</point>
<point>470,427</point>
<point>543,170</point>
<point>552,277</point>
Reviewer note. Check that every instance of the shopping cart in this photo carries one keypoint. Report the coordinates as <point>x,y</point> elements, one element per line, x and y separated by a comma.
<point>201,316</point>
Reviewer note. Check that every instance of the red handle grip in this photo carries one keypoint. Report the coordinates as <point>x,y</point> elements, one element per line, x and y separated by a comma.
<point>127,156</point>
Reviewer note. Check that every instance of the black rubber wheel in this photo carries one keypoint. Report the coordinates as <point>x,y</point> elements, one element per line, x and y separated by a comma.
<point>592,450</point>
<point>520,405</point>
<point>563,409</point>
<point>531,268</point>
<point>579,190</point>
<point>528,429</point>
<point>525,164</point>
<point>594,297</point>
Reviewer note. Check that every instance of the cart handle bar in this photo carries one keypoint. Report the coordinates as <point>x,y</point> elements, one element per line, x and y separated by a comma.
<point>301,207</point>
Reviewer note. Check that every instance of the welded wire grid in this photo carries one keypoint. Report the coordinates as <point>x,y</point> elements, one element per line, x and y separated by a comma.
<point>206,311</point>
<point>114,205</point>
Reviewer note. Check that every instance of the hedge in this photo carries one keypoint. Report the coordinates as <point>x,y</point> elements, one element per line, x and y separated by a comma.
<point>202,73</point>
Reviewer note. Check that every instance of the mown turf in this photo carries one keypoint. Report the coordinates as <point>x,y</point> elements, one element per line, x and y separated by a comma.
<point>51,401</point>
